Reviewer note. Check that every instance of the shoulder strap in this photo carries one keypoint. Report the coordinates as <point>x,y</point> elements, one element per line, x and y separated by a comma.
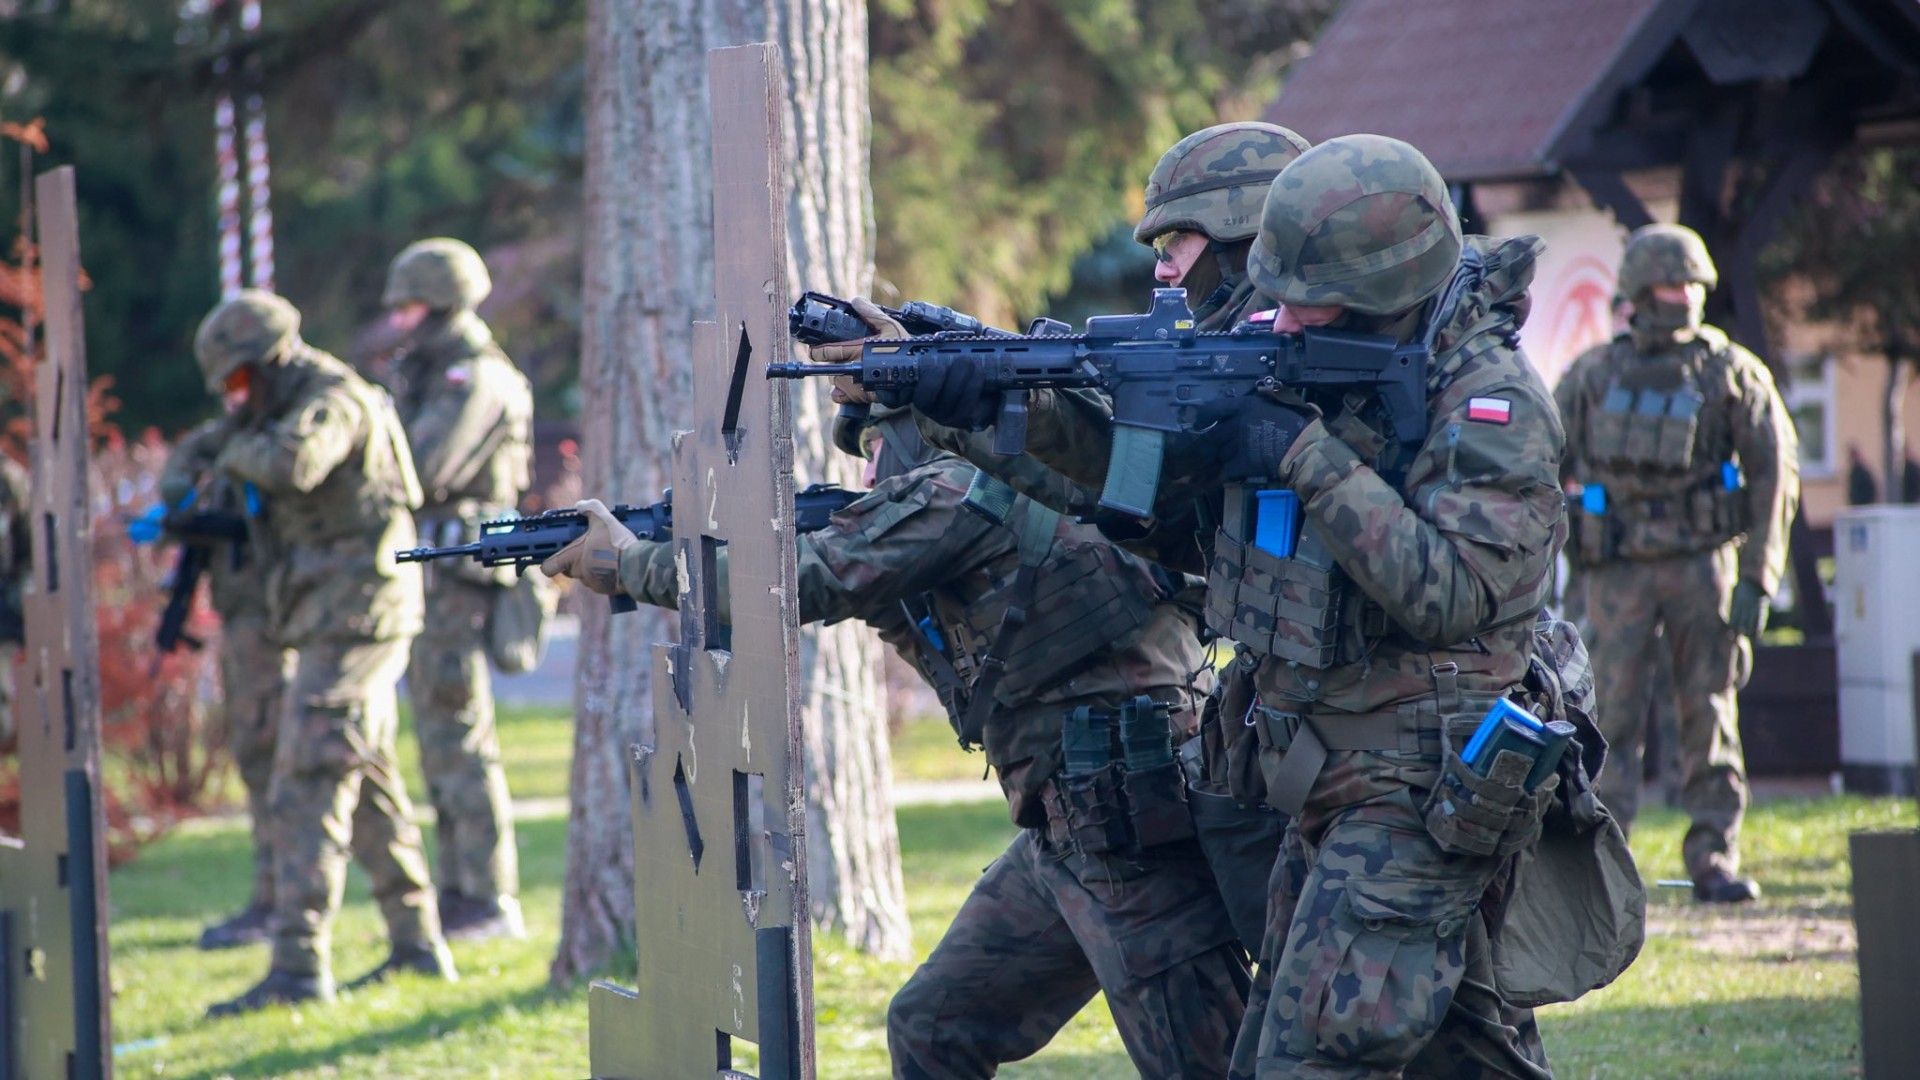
<point>1038,524</point>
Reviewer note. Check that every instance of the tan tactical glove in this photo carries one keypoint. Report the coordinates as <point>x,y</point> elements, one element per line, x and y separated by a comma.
<point>594,559</point>
<point>845,390</point>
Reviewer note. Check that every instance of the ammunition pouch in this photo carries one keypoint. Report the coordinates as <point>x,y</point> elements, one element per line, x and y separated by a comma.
<point>1646,430</point>
<point>1693,519</point>
<point>1491,815</point>
<point>1302,609</point>
<point>1131,804</point>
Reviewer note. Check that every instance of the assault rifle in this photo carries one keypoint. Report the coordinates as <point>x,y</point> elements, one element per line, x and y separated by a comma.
<point>1160,374</point>
<point>528,541</point>
<point>199,533</point>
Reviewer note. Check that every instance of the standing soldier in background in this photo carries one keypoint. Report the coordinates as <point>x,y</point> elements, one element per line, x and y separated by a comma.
<point>329,456</point>
<point>1682,462</point>
<point>252,667</point>
<point>469,417</point>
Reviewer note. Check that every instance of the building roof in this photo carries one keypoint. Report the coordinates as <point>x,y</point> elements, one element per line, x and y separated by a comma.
<point>1411,69</point>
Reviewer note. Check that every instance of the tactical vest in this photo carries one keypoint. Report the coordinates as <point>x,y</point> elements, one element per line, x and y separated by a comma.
<point>498,468</point>
<point>1657,463</point>
<point>1070,600</point>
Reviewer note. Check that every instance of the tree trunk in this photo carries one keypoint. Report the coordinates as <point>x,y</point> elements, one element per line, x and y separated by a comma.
<point>648,276</point>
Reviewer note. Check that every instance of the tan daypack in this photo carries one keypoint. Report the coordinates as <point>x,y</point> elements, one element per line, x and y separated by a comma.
<point>1572,914</point>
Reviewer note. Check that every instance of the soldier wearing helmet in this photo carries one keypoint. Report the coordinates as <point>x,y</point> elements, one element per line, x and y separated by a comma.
<point>1094,882</point>
<point>469,415</point>
<point>330,460</point>
<point>1682,464</point>
<point>1203,204</point>
<point>1405,611</point>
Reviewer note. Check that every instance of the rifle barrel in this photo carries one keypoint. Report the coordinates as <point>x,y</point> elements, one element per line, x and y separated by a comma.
<point>802,371</point>
<point>428,554</point>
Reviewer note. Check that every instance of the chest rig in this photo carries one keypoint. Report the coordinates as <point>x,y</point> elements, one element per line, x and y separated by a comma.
<point>1659,473</point>
<point>1063,606</point>
<point>1295,604</point>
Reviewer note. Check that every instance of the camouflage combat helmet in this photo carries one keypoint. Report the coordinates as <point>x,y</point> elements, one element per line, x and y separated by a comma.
<point>1361,221</point>
<point>1215,180</point>
<point>247,328</point>
<point>443,273</point>
<point>1665,255</point>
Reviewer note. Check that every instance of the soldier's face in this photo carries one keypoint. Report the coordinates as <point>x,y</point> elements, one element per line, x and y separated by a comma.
<point>1687,293</point>
<point>238,388</point>
<point>407,317</point>
<point>1293,318</point>
<point>1176,252</point>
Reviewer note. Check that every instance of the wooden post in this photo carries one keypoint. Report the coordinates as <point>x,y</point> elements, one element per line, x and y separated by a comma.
<point>719,800</point>
<point>53,882</point>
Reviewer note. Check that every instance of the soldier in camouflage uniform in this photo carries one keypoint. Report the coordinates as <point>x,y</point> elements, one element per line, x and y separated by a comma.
<point>469,417</point>
<point>327,452</point>
<point>252,668</point>
<point>1683,462</point>
<point>1104,888</point>
<point>1404,612</point>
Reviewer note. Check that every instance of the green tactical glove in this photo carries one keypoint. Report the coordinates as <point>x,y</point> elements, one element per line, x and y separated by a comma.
<point>594,559</point>
<point>1748,612</point>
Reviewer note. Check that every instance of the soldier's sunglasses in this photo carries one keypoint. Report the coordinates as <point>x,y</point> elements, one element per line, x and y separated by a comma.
<point>1163,244</point>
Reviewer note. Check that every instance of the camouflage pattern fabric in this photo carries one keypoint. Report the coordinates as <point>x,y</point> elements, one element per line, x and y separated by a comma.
<point>1046,928</point>
<point>253,668</point>
<point>1458,552</point>
<point>1677,605</point>
<point>469,417</point>
<point>337,794</point>
<point>1377,961</point>
<point>1664,255</point>
<point>250,327</point>
<point>330,457</point>
<point>1662,558</point>
<point>1147,926</point>
<point>1215,181</point>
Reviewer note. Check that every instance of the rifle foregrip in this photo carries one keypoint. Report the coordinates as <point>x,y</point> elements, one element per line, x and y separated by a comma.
<point>1133,470</point>
<point>1010,427</point>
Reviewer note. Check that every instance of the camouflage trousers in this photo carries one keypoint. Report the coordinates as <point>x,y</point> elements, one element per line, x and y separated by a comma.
<point>451,688</point>
<point>1376,960</point>
<point>337,793</point>
<point>253,681</point>
<point>1679,605</point>
<point>1042,931</point>
<point>9,660</point>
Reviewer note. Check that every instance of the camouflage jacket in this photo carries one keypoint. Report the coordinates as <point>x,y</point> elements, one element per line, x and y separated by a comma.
<point>469,417</point>
<point>16,554</point>
<point>1450,545</point>
<point>326,449</point>
<point>237,589</point>
<point>1104,626</point>
<point>1655,431</point>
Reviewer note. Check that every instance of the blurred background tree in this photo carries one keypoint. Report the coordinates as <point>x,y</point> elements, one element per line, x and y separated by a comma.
<point>387,122</point>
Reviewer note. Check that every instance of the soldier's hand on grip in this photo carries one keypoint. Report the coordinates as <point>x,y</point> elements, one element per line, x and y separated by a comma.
<point>1747,614</point>
<point>1252,433</point>
<point>594,559</point>
<point>947,391</point>
<point>846,391</point>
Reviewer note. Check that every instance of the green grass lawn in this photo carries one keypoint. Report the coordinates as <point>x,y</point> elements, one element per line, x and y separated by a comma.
<point>1760,992</point>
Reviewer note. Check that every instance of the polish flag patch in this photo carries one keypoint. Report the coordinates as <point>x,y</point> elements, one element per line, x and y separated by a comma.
<point>1266,316</point>
<point>1490,410</point>
<point>459,374</point>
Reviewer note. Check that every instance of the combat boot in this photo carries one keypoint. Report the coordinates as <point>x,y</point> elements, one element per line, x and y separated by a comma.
<point>431,960</point>
<point>483,920</point>
<point>1720,887</point>
<point>278,988</point>
<point>251,926</point>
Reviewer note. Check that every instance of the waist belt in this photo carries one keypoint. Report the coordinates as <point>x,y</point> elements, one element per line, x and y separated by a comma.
<point>1304,740</point>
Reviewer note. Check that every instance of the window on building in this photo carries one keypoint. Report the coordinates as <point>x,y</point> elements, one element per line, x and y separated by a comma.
<point>1809,396</point>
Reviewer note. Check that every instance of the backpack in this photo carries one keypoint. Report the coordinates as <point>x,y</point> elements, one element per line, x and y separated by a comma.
<point>1571,914</point>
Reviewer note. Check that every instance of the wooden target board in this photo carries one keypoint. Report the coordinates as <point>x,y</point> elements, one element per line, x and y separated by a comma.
<point>721,930</point>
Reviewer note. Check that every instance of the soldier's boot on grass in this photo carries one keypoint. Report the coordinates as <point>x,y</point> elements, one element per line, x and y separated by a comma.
<point>1720,887</point>
<point>253,925</point>
<point>470,919</point>
<point>431,960</point>
<point>278,988</point>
